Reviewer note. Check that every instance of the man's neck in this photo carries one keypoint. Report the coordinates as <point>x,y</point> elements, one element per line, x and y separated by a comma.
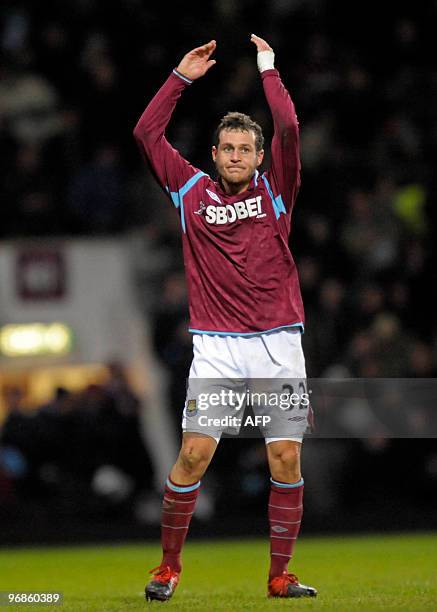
<point>234,188</point>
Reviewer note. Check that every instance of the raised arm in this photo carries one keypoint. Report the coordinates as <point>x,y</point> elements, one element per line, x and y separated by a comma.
<point>284,173</point>
<point>170,168</point>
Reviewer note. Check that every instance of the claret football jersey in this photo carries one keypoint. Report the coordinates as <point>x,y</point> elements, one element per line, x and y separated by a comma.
<point>241,276</point>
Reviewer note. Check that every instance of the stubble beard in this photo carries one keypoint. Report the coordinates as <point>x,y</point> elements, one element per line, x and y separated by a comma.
<point>235,181</point>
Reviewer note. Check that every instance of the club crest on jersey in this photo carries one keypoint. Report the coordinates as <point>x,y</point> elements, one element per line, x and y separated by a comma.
<point>213,196</point>
<point>219,215</point>
<point>201,210</point>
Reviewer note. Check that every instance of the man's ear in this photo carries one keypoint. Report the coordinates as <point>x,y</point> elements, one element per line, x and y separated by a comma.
<point>260,157</point>
<point>214,152</point>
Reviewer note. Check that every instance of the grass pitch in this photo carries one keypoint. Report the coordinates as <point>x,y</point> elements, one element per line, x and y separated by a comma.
<point>354,573</point>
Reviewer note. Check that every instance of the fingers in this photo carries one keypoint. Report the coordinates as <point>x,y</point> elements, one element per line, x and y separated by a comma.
<point>257,40</point>
<point>206,49</point>
<point>261,44</point>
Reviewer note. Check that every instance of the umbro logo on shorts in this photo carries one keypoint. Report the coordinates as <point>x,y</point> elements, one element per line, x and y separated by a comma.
<point>219,215</point>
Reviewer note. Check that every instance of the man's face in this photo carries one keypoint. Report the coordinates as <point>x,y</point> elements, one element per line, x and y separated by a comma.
<point>236,158</point>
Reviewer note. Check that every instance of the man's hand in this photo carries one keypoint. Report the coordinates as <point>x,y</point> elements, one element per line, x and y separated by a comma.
<point>261,44</point>
<point>265,58</point>
<point>196,63</point>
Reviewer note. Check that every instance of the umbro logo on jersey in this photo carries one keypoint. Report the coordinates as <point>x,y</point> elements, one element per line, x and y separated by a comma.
<point>219,215</point>
<point>279,529</point>
<point>213,196</point>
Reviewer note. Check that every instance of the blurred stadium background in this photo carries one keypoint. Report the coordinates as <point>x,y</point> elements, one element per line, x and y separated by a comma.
<point>94,348</point>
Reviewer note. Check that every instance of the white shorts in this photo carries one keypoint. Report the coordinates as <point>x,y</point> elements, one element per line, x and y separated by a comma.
<point>273,355</point>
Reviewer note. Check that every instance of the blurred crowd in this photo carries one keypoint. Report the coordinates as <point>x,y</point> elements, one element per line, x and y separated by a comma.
<point>74,78</point>
<point>80,456</point>
<point>76,75</point>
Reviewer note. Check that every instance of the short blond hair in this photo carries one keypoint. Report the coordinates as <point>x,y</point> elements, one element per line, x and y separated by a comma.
<point>235,121</point>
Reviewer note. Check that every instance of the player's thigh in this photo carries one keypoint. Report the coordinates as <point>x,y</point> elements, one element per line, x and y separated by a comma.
<point>214,357</point>
<point>280,385</point>
<point>284,357</point>
<point>215,375</point>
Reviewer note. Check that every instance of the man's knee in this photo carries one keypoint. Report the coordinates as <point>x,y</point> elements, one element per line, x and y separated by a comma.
<point>285,461</point>
<point>195,457</point>
<point>290,456</point>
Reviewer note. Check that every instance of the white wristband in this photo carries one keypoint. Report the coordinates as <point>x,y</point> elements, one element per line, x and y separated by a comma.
<point>265,60</point>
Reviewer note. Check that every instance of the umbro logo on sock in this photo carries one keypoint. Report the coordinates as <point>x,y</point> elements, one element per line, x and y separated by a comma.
<point>279,529</point>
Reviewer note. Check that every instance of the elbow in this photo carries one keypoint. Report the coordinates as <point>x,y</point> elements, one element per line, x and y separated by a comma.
<point>290,132</point>
<point>140,132</point>
<point>144,131</point>
<point>287,125</point>
<point>291,124</point>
